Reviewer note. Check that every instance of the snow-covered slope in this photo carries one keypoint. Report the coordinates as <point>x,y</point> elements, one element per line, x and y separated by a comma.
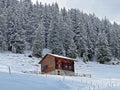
<point>39,82</point>
<point>99,70</point>
<point>104,77</point>
<point>19,62</point>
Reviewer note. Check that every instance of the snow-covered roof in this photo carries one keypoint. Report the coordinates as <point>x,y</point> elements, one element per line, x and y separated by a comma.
<point>61,56</point>
<point>56,56</point>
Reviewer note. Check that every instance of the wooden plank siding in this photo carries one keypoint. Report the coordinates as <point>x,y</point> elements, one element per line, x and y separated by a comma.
<point>58,65</point>
<point>48,64</point>
<point>64,64</point>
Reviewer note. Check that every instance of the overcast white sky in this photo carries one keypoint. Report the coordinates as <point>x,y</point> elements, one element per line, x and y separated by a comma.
<point>101,8</point>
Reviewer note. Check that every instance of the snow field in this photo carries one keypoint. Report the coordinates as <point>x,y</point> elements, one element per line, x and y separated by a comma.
<point>104,77</point>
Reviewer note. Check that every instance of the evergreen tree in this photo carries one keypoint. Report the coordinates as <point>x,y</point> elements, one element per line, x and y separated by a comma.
<point>67,34</point>
<point>93,28</point>
<point>46,22</point>
<point>103,52</point>
<point>28,23</point>
<point>39,42</point>
<point>115,40</point>
<point>54,39</point>
<point>105,26</point>
<point>3,46</point>
<point>15,33</point>
<point>78,27</point>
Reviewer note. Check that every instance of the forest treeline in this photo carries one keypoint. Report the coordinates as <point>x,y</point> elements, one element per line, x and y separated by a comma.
<point>72,33</point>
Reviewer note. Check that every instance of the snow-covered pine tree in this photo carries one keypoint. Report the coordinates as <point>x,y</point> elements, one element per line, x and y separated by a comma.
<point>106,25</point>
<point>15,33</point>
<point>115,40</point>
<point>38,10</point>
<point>10,11</point>
<point>28,23</point>
<point>54,38</point>
<point>3,45</point>
<point>103,50</point>
<point>46,22</point>
<point>93,27</point>
<point>18,42</point>
<point>78,27</point>
<point>39,41</point>
<point>67,34</point>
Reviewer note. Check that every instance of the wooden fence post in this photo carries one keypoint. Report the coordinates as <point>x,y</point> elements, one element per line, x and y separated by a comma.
<point>9,69</point>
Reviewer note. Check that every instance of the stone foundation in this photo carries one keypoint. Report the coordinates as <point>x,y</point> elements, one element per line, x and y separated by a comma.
<point>62,72</point>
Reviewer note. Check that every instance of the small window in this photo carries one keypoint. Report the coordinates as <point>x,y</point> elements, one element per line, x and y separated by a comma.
<point>44,67</point>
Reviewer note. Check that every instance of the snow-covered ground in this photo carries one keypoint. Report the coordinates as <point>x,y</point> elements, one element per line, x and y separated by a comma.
<point>104,77</point>
<point>19,62</point>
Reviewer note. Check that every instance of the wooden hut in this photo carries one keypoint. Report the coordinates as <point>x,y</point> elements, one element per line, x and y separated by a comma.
<point>57,65</point>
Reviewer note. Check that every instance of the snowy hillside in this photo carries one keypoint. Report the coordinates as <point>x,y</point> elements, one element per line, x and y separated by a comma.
<point>104,77</point>
<point>40,82</point>
<point>19,62</point>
